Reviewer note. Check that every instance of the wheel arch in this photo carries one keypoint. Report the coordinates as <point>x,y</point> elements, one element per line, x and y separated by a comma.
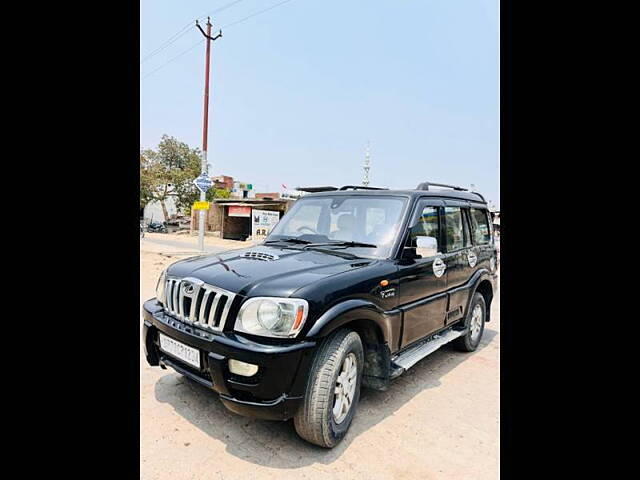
<point>374,327</point>
<point>484,288</point>
<point>361,314</point>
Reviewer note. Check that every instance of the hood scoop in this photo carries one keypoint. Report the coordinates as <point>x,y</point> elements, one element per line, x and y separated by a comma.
<point>257,255</point>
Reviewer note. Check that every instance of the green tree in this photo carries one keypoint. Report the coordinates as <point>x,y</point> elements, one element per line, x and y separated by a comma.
<point>169,172</point>
<point>146,194</point>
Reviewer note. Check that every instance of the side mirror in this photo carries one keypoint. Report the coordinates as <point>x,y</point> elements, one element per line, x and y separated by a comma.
<point>426,246</point>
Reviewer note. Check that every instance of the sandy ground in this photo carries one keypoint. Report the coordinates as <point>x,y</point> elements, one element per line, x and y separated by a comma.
<point>440,420</point>
<point>193,238</point>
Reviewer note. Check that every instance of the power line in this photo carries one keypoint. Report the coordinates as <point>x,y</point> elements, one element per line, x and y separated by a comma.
<point>255,14</point>
<point>184,30</point>
<point>218,10</point>
<point>174,58</point>
<point>259,12</point>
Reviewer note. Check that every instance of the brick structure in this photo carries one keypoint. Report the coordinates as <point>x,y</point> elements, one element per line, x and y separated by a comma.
<point>223,182</point>
<point>269,196</point>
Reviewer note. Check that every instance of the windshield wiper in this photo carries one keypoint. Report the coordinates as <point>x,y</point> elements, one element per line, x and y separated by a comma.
<point>337,253</point>
<point>341,244</point>
<point>288,240</point>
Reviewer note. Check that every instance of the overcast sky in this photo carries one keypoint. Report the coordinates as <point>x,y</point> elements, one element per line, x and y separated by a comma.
<point>297,91</point>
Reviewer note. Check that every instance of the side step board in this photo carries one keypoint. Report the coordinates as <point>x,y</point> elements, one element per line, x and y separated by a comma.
<point>413,355</point>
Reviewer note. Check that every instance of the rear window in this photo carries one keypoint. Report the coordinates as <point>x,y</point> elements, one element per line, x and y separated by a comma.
<point>480,226</point>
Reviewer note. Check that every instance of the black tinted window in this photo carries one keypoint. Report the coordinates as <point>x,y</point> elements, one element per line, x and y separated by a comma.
<point>454,229</point>
<point>480,226</point>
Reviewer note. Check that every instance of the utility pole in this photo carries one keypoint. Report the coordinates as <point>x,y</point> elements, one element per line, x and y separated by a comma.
<point>205,125</point>
<point>366,167</point>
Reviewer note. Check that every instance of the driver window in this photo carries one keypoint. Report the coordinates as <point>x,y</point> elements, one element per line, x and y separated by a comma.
<point>424,236</point>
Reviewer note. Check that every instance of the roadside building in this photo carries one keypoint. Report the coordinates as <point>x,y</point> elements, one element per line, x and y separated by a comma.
<point>242,190</point>
<point>153,211</point>
<point>495,215</point>
<point>223,182</point>
<point>239,219</point>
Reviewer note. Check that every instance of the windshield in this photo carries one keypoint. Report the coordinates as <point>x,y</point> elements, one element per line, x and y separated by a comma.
<point>371,222</point>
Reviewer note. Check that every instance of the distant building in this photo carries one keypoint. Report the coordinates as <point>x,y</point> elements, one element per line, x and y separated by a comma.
<point>495,216</point>
<point>292,194</point>
<point>242,190</point>
<point>268,196</point>
<point>153,210</point>
<point>223,182</point>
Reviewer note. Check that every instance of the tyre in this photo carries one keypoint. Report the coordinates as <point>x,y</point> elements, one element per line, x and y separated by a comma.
<point>474,325</point>
<point>333,390</point>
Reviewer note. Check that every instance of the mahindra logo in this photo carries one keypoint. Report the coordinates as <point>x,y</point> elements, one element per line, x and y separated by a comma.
<point>188,288</point>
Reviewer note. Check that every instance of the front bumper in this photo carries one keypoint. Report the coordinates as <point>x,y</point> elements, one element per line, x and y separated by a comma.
<point>274,393</point>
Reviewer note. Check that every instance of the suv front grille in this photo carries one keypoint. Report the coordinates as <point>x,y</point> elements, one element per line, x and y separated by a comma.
<point>193,301</point>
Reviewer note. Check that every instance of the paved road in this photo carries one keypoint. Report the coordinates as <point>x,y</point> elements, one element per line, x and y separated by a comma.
<point>187,245</point>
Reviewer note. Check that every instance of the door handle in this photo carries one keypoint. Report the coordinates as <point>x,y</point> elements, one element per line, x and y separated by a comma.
<point>439,267</point>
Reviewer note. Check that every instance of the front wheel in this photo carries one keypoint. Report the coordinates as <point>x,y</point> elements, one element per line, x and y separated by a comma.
<point>333,390</point>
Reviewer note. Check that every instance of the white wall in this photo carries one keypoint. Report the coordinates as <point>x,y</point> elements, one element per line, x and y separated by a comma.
<point>154,210</point>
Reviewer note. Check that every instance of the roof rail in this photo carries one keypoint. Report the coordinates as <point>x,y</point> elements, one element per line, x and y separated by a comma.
<point>426,185</point>
<point>360,187</point>
<point>476,193</point>
<point>316,189</point>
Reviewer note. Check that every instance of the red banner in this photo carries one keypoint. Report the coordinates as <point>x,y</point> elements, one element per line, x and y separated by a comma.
<point>239,211</point>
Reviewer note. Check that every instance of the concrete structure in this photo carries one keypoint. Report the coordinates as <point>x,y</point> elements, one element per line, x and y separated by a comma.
<point>153,210</point>
<point>223,182</point>
<point>242,190</point>
<point>496,221</point>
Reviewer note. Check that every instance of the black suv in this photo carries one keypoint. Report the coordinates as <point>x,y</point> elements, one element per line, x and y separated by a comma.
<point>352,287</point>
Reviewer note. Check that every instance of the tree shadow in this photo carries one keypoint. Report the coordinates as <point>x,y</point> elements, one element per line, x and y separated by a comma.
<point>276,444</point>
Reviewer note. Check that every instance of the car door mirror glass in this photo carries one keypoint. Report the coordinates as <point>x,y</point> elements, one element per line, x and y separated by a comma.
<point>426,246</point>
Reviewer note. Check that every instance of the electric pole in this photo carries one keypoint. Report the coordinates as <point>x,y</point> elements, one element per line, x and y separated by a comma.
<point>205,125</point>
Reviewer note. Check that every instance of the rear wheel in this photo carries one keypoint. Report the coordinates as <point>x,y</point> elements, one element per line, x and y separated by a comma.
<point>333,390</point>
<point>474,325</point>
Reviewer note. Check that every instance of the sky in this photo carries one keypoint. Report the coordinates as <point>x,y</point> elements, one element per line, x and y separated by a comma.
<point>297,91</point>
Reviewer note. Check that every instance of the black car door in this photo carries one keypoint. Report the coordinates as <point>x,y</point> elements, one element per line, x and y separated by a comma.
<point>481,236</point>
<point>422,279</point>
<point>459,258</point>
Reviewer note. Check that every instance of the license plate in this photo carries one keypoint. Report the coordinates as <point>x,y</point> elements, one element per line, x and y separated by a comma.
<point>180,350</point>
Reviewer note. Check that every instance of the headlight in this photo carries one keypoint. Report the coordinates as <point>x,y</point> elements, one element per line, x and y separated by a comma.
<point>160,287</point>
<point>272,317</point>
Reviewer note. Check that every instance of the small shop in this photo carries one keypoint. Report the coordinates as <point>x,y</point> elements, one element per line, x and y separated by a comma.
<point>239,220</point>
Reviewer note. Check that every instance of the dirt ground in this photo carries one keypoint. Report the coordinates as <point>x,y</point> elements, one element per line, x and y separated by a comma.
<point>440,420</point>
<point>209,239</point>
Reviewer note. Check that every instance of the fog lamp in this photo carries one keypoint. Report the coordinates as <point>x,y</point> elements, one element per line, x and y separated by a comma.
<point>242,368</point>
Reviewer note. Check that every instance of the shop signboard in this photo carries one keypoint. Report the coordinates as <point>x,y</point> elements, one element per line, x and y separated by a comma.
<point>262,221</point>
<point>238,211</point>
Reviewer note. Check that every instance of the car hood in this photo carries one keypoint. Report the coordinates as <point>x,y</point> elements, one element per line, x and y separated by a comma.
<point>279,272</point>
